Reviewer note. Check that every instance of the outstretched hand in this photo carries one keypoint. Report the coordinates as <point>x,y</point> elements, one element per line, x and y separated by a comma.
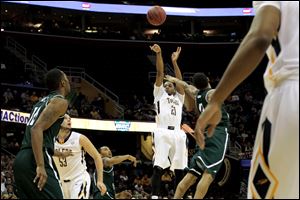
<point>101,186</point>
<point>133,159</point>
<point>41,177</point>
<point>156,48</point>
<point>210,118</point>
<point>176,54</point>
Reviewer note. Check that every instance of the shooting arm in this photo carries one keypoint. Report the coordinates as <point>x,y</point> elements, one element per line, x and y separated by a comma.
<point>177,71</point>
<point>159,65</point>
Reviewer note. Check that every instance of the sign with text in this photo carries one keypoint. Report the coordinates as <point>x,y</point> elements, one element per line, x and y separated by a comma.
<point>89,124</point>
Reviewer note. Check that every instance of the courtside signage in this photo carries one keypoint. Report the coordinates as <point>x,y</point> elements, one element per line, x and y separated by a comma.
<point>88,124</point>
<point>14,116</point>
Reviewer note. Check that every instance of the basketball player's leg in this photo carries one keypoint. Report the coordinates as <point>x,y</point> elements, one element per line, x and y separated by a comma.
<point>188,180</point>
<point>66,185</point>
<point>24,173</point>
<point>156,181</point>
<point>81,187</point>
<point>203,185</point>
<point>275,134</point>
<point>210,160</point>
<point>161,152</point>
<point>180,157</point>
<point>285,136</point>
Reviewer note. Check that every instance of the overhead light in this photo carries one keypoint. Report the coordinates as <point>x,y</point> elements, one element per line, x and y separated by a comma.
<point>91,31</point>
<point>38,25</point>
<point>209,32</point>
<point>151,31</point>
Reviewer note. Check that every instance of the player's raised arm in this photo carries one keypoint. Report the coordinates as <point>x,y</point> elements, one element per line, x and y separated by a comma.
<point>159,65</point>
<point>92,151</point>
<point>56,108</point>
<point>174,57</point>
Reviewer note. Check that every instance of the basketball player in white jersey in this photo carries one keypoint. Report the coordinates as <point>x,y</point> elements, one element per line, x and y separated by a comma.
<point>75,180</point>
<point>274,169</point>
<point>169,140</point>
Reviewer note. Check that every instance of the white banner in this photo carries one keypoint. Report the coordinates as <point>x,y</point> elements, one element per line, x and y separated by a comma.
<point>14,116</point>
<point>88,124</point>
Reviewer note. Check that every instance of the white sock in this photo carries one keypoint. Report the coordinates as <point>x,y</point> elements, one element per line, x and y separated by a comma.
<point>154,197</point>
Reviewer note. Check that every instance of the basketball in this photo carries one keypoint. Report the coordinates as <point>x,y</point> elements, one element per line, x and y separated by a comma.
<point>156,15</point>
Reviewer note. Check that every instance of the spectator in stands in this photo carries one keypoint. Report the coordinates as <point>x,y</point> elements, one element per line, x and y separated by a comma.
<point>73,112</point>
<point>34,98</point>
<point>25,97</point>
<point>98,102</point>
<point>8,96</point>
<point>139,186</point>
<point>146,183</point>
<point>3,187</point>
<point>94,113</point>
<point>9,194</point>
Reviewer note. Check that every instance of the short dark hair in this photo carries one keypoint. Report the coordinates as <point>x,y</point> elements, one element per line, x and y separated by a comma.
<point>53,78</point>
<point>200,81</point>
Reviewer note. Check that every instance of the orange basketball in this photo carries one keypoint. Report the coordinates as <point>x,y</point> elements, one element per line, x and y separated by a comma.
<point>156,15</point>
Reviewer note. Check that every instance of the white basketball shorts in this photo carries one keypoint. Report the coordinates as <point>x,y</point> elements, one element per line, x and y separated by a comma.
<point>274,169</point>
<point>78,188</point>
<point>170,148</point>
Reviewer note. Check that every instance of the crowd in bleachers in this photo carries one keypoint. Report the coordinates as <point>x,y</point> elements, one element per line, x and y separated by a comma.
<point>7,178</point>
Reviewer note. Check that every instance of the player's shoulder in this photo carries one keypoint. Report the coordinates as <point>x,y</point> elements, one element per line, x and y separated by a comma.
<point>75,135</point>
